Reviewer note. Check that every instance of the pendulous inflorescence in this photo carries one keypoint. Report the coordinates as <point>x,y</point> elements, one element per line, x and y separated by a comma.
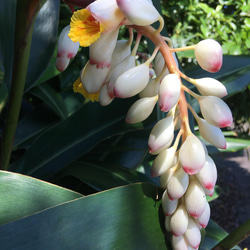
<point>187,173</point>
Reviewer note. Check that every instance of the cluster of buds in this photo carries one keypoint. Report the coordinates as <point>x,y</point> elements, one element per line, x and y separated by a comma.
<point>186,171</point>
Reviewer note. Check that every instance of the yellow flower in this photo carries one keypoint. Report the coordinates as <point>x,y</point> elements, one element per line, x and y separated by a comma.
<point>78,88</point>
<point>84,28</point>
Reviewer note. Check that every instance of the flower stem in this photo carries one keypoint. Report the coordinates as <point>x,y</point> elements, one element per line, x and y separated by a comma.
<point>25,18</point>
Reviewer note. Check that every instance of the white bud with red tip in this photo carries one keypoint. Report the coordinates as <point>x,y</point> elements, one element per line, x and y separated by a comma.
<point>66,49</point>
<point>178,184</point>
<point>195,199</point>
<point>203,219</point>
<point>169,92</point>
<point>212,134</point>
<point>193,235</point>
<point>179,243</point>
<point>210,86</point>
<point>192,155</point>
<point>168,206</point>
<point>165,178</point>
<point>163,162</point>
<point>104,98</point>
<point>162,134</point>
<point>208,174</point>
<point>151,89</point>
<point>179,221</point>
<point>139,12</point>
<point>215,111</point>
<point>209,55</point>
<point>141,109</point>
<point>132,81</point>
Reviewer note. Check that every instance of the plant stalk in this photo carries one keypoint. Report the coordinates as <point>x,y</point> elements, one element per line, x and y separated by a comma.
<point>25,19</point>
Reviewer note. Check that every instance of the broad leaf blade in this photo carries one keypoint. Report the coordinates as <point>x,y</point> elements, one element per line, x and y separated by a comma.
<point>22,195</point>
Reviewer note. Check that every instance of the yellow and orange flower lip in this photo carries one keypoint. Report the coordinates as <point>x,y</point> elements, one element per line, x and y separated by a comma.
<point>84,28</point>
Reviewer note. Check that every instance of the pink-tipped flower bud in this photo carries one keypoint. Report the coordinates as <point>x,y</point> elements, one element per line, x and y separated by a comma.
<point>162,134</point>
<point>209,192</point>
<point>215,111</point>
<point>141,109</point>
<point>168,206</point>
<point>100,52</point>
<point>208,174</point>
<point>203,219</point>
<point>195,199</point>
<point>163,162</point>
<point>146,16</point>
<point>165,178</point>
<point>209,55</point>
<point>210,86</point>
<point>179,243</point>
<point>193,234</point>
<point>93,78</point>
<point>104,98</point>
<point>177,185</point>
<point>192,155</point>
<point>151,89</point>
<point>66,49</point>
<point>132,81</point>
<point>169,92</point>
<point>212,134</point>
<point>121,51</point>
<point>179,221</point>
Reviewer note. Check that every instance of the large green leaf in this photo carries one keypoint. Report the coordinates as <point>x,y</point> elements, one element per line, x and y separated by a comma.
<point>69,139</point>
<point>7,31</point>
<point>128,217</point>
<point>43,41</point>
<point>22,195</point>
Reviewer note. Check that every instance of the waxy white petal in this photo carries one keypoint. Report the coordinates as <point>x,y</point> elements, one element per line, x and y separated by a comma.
<point>168,206</point>
<point>193,235</point>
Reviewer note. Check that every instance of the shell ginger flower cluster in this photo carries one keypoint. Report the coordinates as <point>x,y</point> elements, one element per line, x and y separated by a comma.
<point>187,172</point>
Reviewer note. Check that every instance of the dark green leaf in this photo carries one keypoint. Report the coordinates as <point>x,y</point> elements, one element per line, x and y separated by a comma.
<point>43,41</point>
<point>22,195</point>
<point>121,218</point>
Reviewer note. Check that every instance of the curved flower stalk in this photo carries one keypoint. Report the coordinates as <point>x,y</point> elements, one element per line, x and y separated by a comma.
<point>186,171</point>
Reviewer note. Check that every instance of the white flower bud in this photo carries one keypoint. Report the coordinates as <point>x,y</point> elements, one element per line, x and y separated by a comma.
<point>139,12</point>
<point>168,206</point>
<point>132,81</point>
<point>179,243</point>
<point>195,199</point>
<point>208,174</point>
<point>203,219</point>
<point>215,111</point>
<point>161,134</point>
<point>192,155</point>
<point>104,98</point>
<point>209,55</point>
<point>193,235</point>
<point>100,52</point>
<point>93,78</point>
<point>210,86</point>
<point>151,89</point>
<point>121,51</point>
<point>169,92</point>
<point>209,192</point>
<point>163,162</point>
<point>212,134</point>
<point>141,109</point>
<point>177,185</point>
<point>164,179</point>
<point>179,221</point>
<point>66,49</point>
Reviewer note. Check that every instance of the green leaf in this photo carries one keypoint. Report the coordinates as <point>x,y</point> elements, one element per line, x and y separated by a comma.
<point>69,139</point>
<point>43,41</point>
<point>121,218</point>
<point>7,31</point>
<point>22,195</point>
<point>104,176</point>
<point>235,144</point>
<point>46,93</point>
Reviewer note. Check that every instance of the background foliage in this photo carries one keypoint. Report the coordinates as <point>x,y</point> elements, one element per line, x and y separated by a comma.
<point>98,190</point>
